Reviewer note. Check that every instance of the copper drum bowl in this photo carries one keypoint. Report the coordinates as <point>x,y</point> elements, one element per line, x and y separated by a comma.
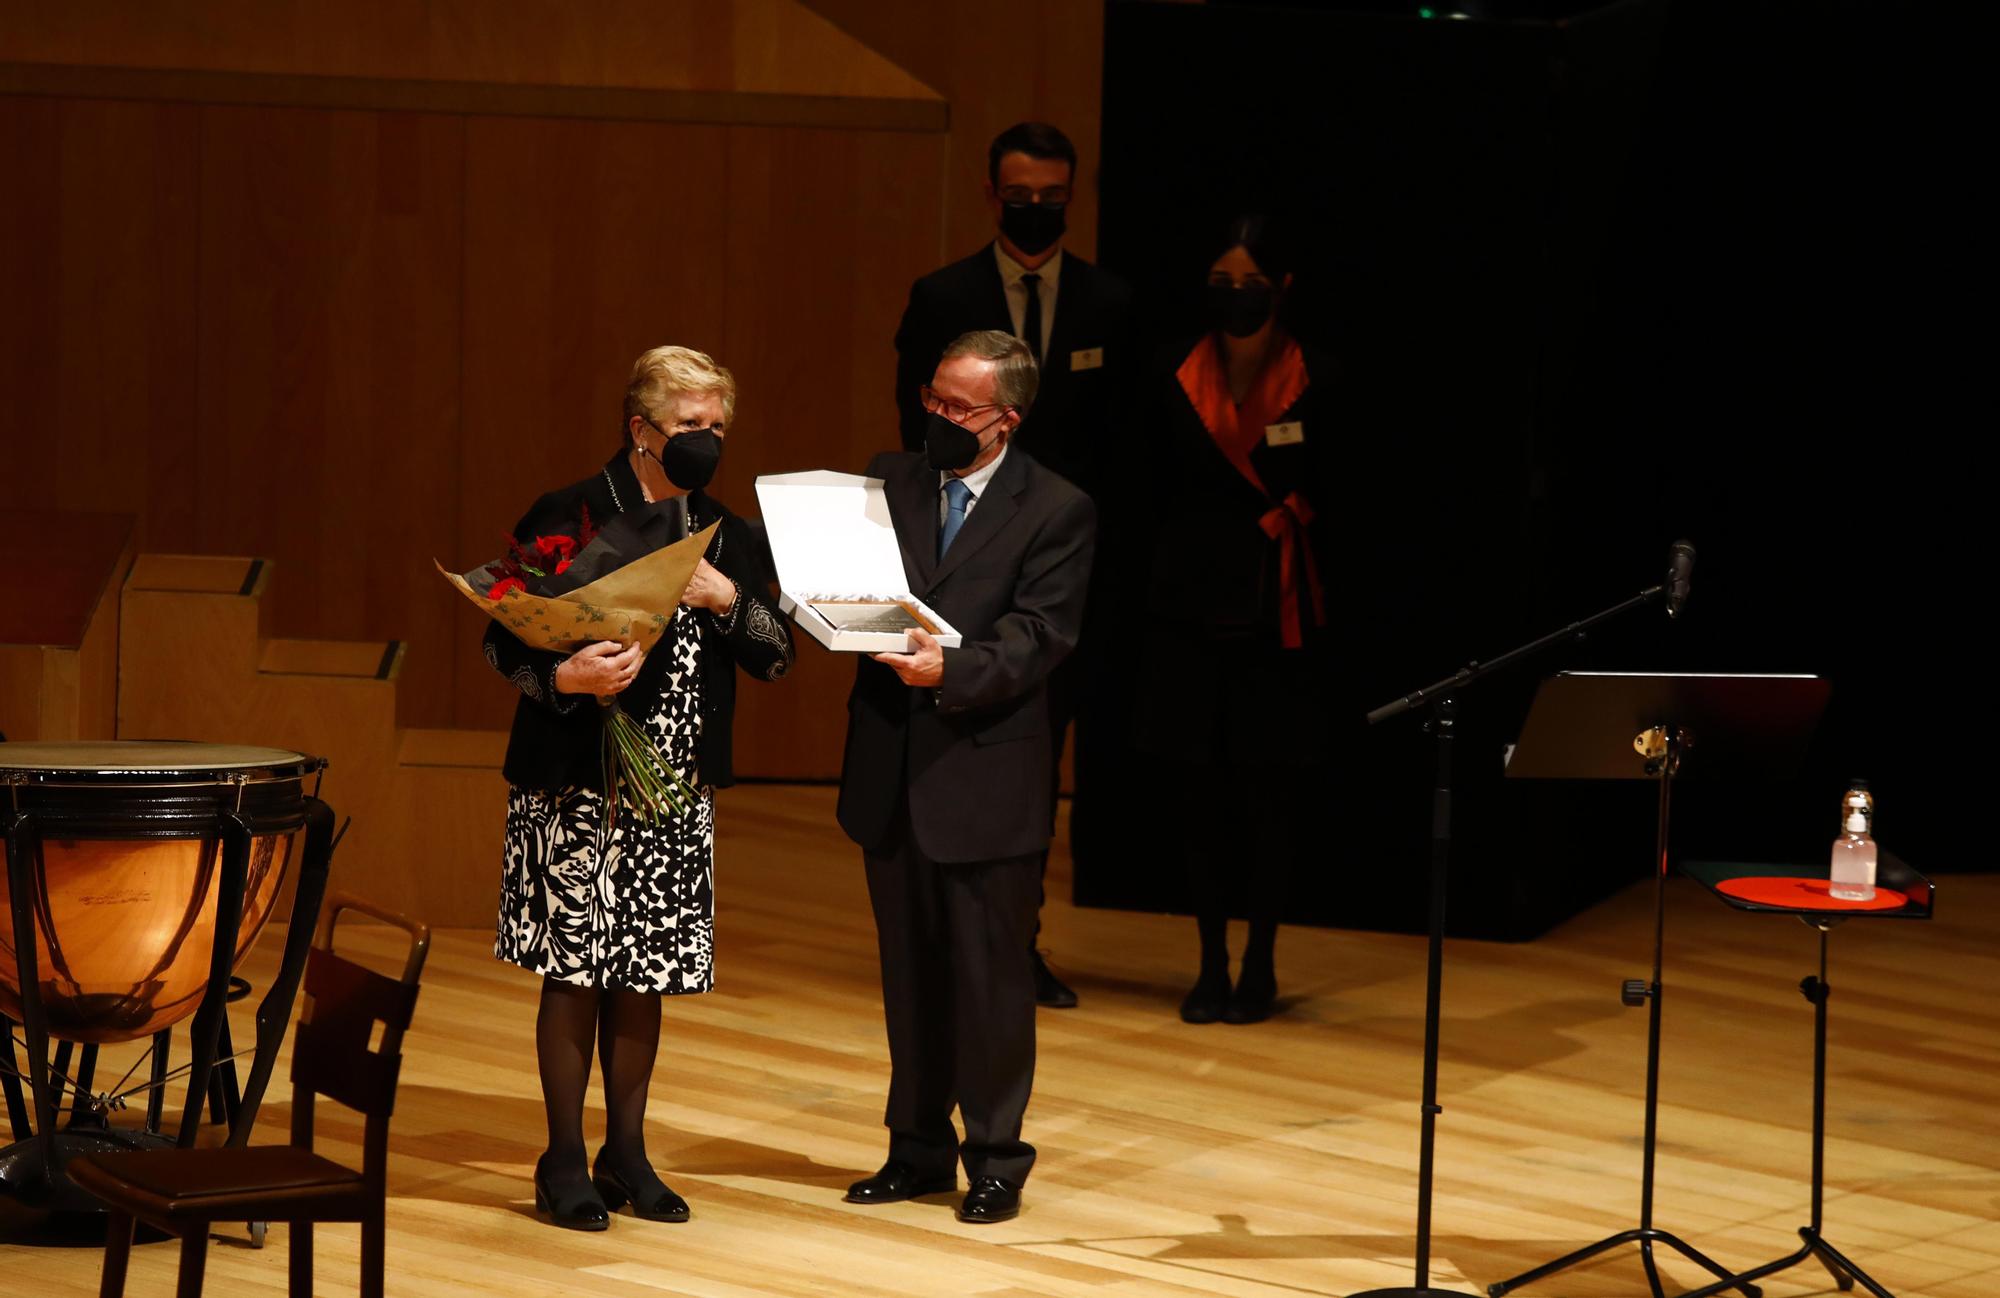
<point>126,866</point>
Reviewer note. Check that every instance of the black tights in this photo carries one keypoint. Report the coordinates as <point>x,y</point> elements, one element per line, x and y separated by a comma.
<point>1247,832</point>
<point>625,1027</point>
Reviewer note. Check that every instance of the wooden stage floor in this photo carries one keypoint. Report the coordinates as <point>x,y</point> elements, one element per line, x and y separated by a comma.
<point>1265,1161</point>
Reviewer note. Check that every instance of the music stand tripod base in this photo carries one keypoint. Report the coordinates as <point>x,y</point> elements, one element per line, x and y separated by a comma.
<point>1632,725</point>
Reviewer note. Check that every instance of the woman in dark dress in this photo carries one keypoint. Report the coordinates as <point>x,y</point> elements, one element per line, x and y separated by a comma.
<point>613,922</point>
<point>1239,675</point>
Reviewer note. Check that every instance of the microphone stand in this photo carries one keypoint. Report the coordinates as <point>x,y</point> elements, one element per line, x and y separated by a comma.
<point>1441,699</point>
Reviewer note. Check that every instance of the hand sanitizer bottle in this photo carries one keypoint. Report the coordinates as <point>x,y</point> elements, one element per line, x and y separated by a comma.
<point>1853,869</point>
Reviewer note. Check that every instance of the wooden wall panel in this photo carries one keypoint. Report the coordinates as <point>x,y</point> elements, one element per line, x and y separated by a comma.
<point>329,369</point>
<point>997,64</point>
<point>761,46</point>
<point>585,244</point>
<point>98,242</point>
<point>829,230</point>
<point>30,298</point>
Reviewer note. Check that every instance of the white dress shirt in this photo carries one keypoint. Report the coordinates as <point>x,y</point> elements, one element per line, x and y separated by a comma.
<point>1017,293</point>
<point>976,481</point>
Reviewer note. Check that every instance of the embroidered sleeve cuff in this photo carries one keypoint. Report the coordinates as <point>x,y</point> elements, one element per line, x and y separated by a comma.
<point>726,622</point>
<point>555,698</point>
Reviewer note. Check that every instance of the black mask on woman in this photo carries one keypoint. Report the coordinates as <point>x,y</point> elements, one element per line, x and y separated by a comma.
<point>1240,310</point>
<point>1032,227</point>
<point>950,447</point>
<point>689,459</point>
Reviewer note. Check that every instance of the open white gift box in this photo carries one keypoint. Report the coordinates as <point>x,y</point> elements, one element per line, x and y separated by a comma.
<point>832,539</point>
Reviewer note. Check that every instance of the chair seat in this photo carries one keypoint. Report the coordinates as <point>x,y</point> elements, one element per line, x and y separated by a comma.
<point>260,1183</point>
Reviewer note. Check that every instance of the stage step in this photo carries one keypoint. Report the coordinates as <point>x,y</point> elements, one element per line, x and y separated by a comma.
<point>428,805</point>
<point>202,574</point>
<point>59,624</point>
<point>380,660</point>
<point>481,748</point>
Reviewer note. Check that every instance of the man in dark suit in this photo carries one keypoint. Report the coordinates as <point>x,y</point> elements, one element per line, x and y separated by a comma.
<point>946,781</point>
<point>1074,319</point>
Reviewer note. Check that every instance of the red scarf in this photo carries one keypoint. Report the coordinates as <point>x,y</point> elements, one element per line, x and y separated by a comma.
<point>1236,429</point>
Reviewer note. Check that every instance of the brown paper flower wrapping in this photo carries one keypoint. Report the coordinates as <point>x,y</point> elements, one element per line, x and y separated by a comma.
<point>633,604</point>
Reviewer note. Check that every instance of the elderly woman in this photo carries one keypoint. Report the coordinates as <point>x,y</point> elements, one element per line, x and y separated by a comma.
<point>613,922</point>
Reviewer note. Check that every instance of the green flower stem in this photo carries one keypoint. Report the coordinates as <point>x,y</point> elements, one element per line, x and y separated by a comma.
<point>638,775</point>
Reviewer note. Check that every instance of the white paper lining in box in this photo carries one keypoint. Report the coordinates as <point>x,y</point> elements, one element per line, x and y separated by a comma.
<point>832,539</point>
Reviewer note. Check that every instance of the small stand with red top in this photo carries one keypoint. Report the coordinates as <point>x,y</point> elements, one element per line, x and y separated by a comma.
<point>1802,890</point>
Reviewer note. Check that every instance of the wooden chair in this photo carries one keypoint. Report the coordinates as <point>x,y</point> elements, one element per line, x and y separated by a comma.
<point>184,1191</point>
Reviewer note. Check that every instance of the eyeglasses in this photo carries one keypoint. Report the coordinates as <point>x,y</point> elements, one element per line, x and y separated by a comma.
<point>956,411</point>
<point>688,426</point>
<point>1053,196</point>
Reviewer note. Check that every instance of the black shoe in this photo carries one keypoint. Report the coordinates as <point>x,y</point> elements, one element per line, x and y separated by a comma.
<point>1208,999</point>
<point>1253,1000</point>
<point>989,1200</point>
<point>1049,989</point>
<point>574,1207</point>
<point>898,1181</point>
<point>648,1194</point>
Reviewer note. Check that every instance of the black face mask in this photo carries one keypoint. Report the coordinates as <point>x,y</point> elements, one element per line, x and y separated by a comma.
<point>1032,227</point>
<point>689,459</point>
<point>1240,311</point>
<point>950,447</point>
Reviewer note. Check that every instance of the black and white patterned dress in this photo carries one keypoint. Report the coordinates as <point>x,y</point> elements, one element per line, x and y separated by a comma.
<point>633,910</point>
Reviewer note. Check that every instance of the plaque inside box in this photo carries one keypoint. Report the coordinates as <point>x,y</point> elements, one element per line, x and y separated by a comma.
<point>887,616</point>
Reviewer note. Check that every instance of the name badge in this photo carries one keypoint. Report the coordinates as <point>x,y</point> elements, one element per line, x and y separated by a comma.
<point>1090,358</point>
<point>1284,434</point>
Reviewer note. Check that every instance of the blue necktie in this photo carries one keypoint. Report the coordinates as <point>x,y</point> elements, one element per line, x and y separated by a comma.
<point>956,497</point>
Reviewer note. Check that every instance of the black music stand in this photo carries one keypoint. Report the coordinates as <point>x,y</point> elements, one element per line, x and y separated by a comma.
<point>1438,704</point>
<point>1893,879</point>
<point>1636,725</point>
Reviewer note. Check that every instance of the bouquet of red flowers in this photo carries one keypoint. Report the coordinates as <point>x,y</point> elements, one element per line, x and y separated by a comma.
<point>618,583</point>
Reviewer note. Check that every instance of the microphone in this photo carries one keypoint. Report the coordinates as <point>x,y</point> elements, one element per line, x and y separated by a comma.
<point>1680,567</point>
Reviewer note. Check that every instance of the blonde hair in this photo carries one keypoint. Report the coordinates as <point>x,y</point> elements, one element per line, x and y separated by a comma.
<point>664,373</point>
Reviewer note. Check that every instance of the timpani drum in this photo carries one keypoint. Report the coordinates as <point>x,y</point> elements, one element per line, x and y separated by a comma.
<point>138,877</point>
<point>126,871</point>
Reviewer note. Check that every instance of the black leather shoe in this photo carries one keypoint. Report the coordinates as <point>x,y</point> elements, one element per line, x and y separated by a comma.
<point>989,1200</point>
<point>1253,1000</point>
<point>573,1207</point>
<point>898,1181</point>
<point>1049,989</point>
<point>649,1196</point>
<point>1207,1000</point>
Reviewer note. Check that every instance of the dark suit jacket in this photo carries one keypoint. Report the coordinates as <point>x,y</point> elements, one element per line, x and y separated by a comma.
<point>1075,410</point>
<point>555,739</point>
<point>972,757</point>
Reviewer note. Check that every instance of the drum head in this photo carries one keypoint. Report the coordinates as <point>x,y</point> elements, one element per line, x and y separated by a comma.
<point>111,789</point>
<point>158,759</point>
